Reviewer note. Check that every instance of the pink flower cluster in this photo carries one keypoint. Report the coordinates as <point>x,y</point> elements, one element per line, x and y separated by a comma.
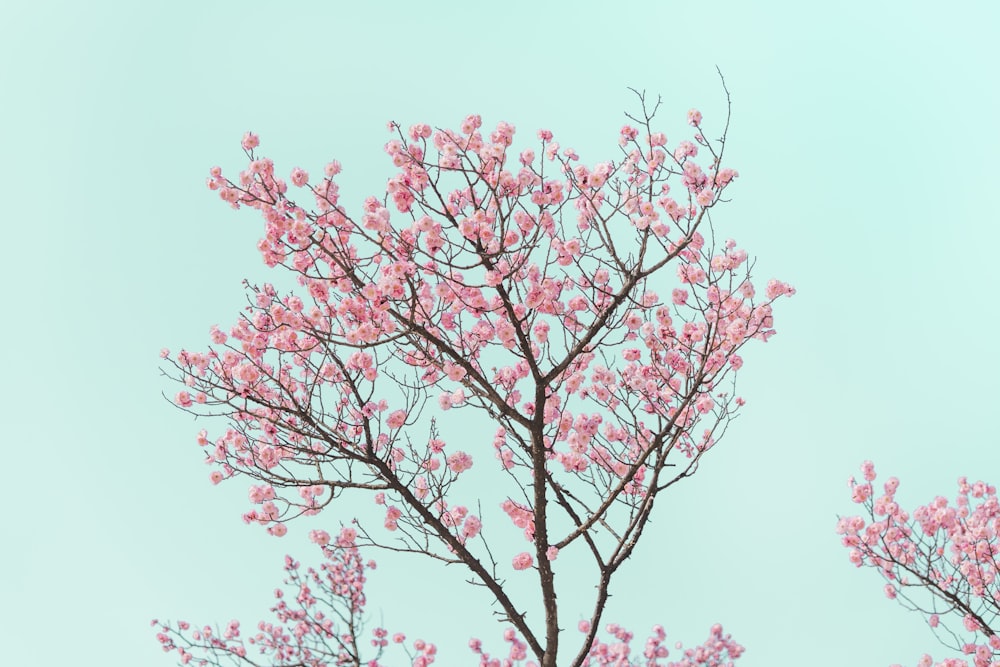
<point>719,650</point>
<point>941,556</point>
<point>522,516</point>
<point>368,303</point>
<point>523,561</point>
<point>302,633</point>
<point>305,629</point>
<point>484,278</point>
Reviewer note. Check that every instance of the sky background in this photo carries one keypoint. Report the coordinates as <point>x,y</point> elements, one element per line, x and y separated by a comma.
<point>865,136</point>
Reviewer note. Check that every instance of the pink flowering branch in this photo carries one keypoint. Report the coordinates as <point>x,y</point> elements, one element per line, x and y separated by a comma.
<point>319,621</point>
<point>940,560</point>
<point>525,288</point>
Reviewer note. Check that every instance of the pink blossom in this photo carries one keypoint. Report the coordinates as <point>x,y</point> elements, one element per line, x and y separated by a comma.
<point>299,177</point>
<point>260,494</point>
<point>396,419</point>
<point>776,288</point>
<point>704,403</point>
<point>633,320</point>
<point>862,492</point>
<point>471,123</point>
<point>392,516</point>
<point>454,372</point>
<point>215,477</point>
<point>725,176</point>
<point>541,331</point>
<point>523,561</point>
<point>685,149</point>
<point>657,139</point>
<point>459,462</point>
<point>320,537</point>
<point>420,131</point>
<point>471,527</point>
<point>250,141</point>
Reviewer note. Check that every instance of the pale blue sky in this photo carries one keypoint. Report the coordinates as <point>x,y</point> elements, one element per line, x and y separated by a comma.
<point>865,135</point>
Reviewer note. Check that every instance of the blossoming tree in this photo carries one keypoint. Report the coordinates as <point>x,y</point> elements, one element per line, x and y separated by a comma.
<point>940,560</point>
<point>525,288</point>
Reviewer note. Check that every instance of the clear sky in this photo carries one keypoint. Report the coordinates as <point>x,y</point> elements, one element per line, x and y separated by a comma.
<point>865,135</point>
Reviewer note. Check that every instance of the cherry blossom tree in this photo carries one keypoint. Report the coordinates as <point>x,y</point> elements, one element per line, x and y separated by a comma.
<point>939,560</point>
<point>526,288</point>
